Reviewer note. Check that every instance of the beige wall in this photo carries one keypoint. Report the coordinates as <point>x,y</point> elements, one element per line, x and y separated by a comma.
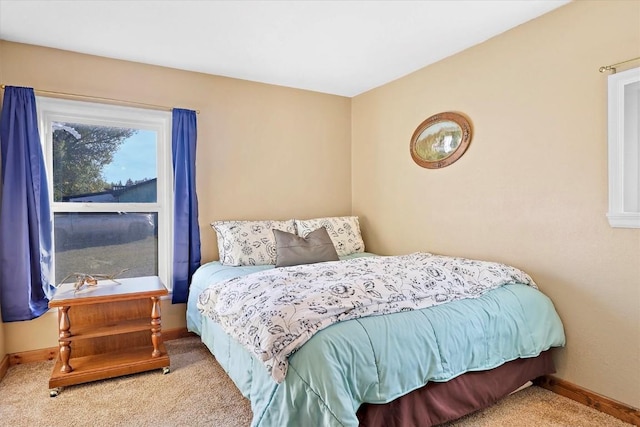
<point>532,188</point>
<point>2,346</point>
<point>264,152</point>
<point>2,350</point>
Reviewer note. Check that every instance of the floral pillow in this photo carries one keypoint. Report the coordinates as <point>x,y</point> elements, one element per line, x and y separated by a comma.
<point>344,232</point>
<point>249,242</point>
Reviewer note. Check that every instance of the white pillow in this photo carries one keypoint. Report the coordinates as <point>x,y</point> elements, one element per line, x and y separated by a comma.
<point>343,230</point>
<point>249,242</point>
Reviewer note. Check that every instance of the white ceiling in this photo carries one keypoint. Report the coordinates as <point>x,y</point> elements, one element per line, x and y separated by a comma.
<point>337,47</point>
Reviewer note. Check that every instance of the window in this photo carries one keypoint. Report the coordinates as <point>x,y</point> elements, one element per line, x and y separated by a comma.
<point>624,149</point>
<point>109,176</point>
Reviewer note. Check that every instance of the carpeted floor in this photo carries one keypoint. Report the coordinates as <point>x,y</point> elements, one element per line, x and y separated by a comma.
<point>197,392</point>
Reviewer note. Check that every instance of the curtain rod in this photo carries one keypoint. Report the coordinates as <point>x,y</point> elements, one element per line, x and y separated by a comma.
<point>99,98</point>
<point>612,67</point>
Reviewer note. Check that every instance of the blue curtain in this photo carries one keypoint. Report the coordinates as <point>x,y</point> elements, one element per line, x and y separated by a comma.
<point>25,215</point>
<point>186,231</point>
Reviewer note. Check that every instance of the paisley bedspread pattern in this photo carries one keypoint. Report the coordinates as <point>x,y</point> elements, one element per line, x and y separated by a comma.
<point>274,312</point>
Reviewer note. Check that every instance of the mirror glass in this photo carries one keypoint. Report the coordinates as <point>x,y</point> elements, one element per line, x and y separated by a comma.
<point>438,141</point>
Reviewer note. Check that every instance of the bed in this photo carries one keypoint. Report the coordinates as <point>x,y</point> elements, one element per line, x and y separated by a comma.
<point>406,366</point>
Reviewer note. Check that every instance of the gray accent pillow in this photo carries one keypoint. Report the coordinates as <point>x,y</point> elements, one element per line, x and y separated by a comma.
<point>294,250</point>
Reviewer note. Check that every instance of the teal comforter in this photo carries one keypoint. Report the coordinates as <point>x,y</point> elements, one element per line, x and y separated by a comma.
<point>377,359</point>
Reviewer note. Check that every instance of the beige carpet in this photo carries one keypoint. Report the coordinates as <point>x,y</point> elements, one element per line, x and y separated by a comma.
<point>197,392</point>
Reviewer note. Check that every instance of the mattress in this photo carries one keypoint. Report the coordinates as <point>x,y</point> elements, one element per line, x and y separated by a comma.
<point>376,360</point>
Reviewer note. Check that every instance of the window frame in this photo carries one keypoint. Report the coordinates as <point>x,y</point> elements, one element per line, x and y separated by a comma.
<point>63,110</point>
<point>624,178</point>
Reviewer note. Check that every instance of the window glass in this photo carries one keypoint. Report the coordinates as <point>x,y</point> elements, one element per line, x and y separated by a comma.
<point>105,243</point>
<point>103,164</point>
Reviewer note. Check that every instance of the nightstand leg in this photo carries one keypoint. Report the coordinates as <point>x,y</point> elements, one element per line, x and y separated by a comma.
<point>64,344</point>
<point>156,329</point>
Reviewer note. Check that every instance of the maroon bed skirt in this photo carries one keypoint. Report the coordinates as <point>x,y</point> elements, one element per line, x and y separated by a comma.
<point>436,403</point>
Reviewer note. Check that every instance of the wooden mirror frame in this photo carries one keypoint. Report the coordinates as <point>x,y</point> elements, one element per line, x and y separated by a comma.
<point>465,127</point>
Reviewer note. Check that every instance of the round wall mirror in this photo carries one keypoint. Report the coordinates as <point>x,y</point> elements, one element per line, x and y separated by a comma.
<point>440,140</point>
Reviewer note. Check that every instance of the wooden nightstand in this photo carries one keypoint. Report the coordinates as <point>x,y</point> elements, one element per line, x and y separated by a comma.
<point>108,330</point>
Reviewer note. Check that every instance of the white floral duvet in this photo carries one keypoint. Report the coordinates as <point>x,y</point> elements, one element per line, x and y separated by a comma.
<point>274,312</point>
